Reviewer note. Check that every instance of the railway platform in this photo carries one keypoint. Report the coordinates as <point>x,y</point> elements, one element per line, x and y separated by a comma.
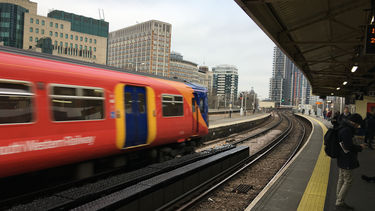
<point>309,181</point>
<point>223,126</point>
<point>224,120</point>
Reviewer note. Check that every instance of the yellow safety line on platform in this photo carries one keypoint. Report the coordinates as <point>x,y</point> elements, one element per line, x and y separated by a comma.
<point>316,190</point>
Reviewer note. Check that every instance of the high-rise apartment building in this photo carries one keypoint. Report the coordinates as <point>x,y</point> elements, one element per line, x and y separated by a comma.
<point>183,69</point>
<point>144,47</point>
<point>225,82</point>
<point>61,33</point>
<point>205,77</point>
<point>288,85</point>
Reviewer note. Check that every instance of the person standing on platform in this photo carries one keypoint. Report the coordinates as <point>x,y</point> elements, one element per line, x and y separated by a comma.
<point>369,128</point>
<point>344,115</point>
<point>325,114</point>
<point>329,114</point>
<point>335,118</point>
<point>347,159</point>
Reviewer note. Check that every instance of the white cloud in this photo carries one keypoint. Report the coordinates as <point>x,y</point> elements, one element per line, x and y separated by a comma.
<point>210,31</point>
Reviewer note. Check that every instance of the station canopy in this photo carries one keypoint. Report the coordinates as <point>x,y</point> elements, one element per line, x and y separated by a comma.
<point>324,38</point>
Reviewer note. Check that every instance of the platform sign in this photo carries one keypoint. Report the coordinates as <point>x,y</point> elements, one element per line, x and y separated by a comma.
<point>370,40</point>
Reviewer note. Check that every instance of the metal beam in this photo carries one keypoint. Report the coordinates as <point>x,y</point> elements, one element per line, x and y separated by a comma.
<point>328,43</point>
<point>324,15</point>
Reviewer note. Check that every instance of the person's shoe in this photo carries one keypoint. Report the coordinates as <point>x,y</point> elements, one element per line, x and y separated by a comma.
<point>344,206</point>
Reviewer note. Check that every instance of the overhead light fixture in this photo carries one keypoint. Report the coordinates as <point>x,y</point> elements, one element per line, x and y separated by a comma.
<point>354,68</point>
<point>338,88</point>
<point>332,94</point>
<point>344,83</point>
<point>372,20</point>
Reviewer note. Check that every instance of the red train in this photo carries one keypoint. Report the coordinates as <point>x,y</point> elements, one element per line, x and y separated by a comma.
<point>54,113</point>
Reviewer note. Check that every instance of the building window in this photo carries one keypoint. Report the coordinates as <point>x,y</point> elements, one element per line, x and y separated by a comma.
<point>70,103</point>
<point>61,26</point>
<point>31,29</point>
<point>61,44</point>
<point>36,30</point>
<point>66,36</point>
<point>43,22</point>
<point>90,40</point>
<point>42,31</point>
<point>61,35</point>
<point>85,39</point>
<point>94,49</point>
<point>71,45</point>
<point>66,44</point>
<point>37,21</point>
<point>36,39</point>
<point>71,37</point>
<point>173,105</point>
<point>55,43</point>
<point>56,25</point>
<point>81,38</point>
<point>76,37</point>
<point>50,33</point>
<point>75,46</point>
<point>31,20</point>
<point>16,102</point>
<point>95,41</point>
<point>80,47</point>
<point>51,24</point>
<point>56,34</point>
<point>30,39</point>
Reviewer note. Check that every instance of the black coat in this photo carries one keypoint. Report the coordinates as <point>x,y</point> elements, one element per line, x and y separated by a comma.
<point>342,118</point>
<point>369,124</point>
<point>348,160</point>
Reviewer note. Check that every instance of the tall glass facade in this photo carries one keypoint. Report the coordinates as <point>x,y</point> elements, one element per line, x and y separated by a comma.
<point>11,24</point>
<point>82,24</point>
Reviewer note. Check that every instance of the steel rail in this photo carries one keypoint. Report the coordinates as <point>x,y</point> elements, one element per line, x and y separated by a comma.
<point>230,173</point>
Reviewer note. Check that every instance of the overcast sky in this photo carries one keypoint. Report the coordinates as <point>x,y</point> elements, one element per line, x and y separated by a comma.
<point>209,32</point>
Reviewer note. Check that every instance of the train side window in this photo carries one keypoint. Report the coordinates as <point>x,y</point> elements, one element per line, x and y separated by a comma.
<point>128,103</point>
<point>173,105</point>
<point>76,103</point>
<point>16,102</point>
<point>141,102</point>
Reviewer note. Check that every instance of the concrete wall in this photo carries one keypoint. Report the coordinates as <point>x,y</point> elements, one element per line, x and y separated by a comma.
<point>361,105</point>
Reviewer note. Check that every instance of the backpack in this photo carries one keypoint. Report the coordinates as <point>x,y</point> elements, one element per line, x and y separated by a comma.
<point>331,143</point>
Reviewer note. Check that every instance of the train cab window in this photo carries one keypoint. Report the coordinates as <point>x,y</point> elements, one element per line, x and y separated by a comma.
<point>201,106</point>
<point>75,103</point>
<point>173,105</point>
<point>128,103</point>
<point>16,102</point>
<point>193,104</point>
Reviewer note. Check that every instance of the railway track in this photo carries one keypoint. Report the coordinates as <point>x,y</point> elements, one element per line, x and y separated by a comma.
<point>251,133</point>
<point>214,199</point>
<point>80,195</point>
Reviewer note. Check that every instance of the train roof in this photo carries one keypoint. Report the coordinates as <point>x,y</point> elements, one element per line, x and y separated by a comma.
<point>18,51</point>
<point>196,87</point>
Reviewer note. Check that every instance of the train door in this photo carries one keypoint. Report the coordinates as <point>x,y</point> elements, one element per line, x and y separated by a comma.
<point>195,116</point>
<point>135,116</point>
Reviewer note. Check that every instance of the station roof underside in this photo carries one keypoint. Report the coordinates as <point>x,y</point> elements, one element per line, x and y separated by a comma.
<point>324,38</point>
